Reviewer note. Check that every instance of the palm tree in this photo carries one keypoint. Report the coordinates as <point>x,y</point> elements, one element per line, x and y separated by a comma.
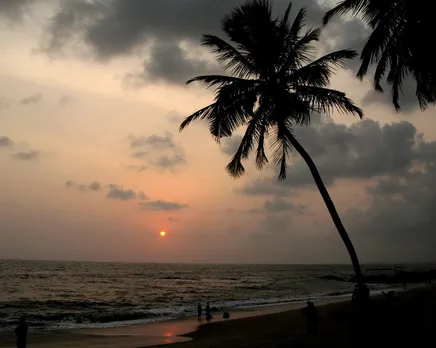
<point>398,44</point>
<point>273,87</point>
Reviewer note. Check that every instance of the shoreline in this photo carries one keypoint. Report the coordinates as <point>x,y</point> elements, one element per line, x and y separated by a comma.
<point>175,331</point>
<point>151,334</point>
<point>269,306</point>
<point>408,317</point>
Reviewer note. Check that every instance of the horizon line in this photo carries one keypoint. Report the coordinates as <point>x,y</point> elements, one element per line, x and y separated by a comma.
<point>397,263</point>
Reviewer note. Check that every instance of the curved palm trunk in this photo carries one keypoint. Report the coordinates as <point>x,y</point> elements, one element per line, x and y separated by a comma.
<point>331,208</point>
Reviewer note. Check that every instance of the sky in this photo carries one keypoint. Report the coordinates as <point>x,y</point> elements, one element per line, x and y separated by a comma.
<point>93,166</point>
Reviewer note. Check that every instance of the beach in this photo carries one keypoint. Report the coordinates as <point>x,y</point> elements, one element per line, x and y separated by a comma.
<point>55,296</point>
<point>149,334</point>
<point>409,317</point>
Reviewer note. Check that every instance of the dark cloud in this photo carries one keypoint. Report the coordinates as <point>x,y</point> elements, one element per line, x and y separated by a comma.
<point>399,223</point>
<point>398,168</point>
<point>14,9</point>
<point>340,34</point>
<point>6,142</point>
<point>117,192</point>
<point>171,63</point>
<point>69,184</point>
<point>156,141</point>
<point>364,150</point>
<point>264,187</point>
<point>156,151</point>
<point>94,186</point>
<point>162,206</point>
<point>345,34</point>
<point>27,156</point>
<point>32,99</point>
<point>279,205</point>
<point>164,29</point>
<point>408,100</point>
<point>170,161</point>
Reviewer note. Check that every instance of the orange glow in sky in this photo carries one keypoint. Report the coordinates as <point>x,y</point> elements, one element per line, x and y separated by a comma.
<point>163,233</point>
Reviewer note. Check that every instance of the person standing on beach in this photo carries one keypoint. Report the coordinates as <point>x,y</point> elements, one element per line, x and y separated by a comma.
<point>311,318</point>
<point>208,315</point>
<point>21,333</point>
<point>199,311</point>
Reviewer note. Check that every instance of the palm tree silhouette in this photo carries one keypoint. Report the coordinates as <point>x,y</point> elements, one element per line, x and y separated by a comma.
<point>274,86</point>
<point>398,44</point>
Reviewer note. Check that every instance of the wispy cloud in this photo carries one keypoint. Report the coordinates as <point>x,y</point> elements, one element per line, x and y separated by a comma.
<point>32,99</point>
<point>6,141</point>
<point>162,206</point>
<point>27,156</point>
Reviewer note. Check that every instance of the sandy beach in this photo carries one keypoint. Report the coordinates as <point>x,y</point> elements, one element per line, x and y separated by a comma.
<point>146,335</point>
<point>409,316</point>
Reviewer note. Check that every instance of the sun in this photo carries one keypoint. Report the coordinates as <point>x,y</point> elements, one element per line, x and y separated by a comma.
<point>162,233</point>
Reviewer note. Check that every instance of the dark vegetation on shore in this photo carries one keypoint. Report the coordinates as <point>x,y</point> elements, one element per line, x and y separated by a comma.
<point>390,277</point>
<point>409,319</point>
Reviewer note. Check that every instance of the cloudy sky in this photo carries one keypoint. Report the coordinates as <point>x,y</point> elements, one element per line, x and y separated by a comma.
<point>93,166</point>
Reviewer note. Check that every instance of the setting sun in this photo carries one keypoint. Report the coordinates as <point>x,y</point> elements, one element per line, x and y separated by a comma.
<point>163,233</point>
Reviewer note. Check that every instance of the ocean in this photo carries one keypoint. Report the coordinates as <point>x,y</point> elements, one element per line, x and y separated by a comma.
<point>68,295</point>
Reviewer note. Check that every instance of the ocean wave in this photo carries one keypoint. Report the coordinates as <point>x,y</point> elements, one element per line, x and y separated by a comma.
<point>26,303</point>
<point>92,295</point>
<point>119,318</point>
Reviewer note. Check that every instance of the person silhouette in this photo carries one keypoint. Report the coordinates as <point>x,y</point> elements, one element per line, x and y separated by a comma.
<point>21,333</point>
<point>199,311</point>
<point>311,318</point>
<point>208,315</point>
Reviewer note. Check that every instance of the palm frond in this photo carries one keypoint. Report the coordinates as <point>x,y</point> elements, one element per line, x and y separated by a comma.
<point>282,146</point>
<point>231,109</point>
<point>233,60</point>
<point>395,78</point>
<point>295,109</point>
<point>235,168</point>
<point>318,72</point>
<point>209,81</point>
<point>235,104</point>
<point>247,20</point>
<point>252,27</point>
<point>381,42</point>
<point>343,7</point>
<point>299,50</point>
<point>201,114</point>
<point>261,157</point>
<point>298,23</point>
<point>326,100</point>
<point>284,23</point>
<point>274,86</point>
